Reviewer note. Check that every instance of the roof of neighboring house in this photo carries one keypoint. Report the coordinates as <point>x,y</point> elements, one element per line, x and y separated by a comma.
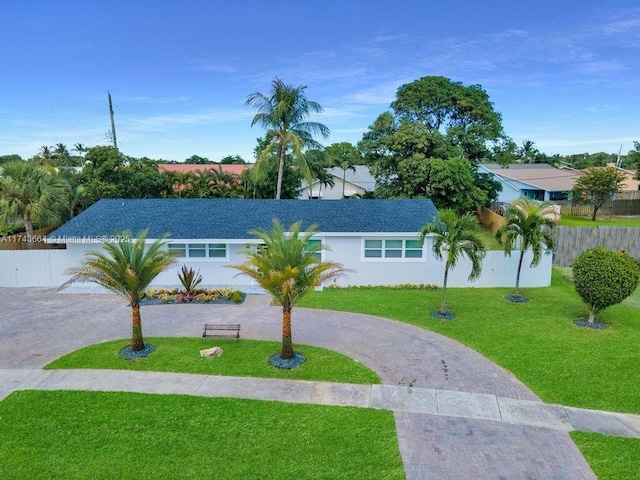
<point>360,176</point>
<point>235,169</point>
<point>219,218</point>
<point>630,182</point>
<point>541,176</point>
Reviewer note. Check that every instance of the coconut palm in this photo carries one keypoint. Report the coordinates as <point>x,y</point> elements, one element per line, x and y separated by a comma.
<point>285,265</point>
<point>528,225</point>
<point>283,114</point>
<point>126,267</point>
<point>80,148</point>
<point>345,156</point>
<point>453,238</point>
<point>31,192</point>
<point>45,153</point>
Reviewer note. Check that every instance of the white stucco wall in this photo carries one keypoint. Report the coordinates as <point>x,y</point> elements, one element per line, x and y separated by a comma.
<point>46,267</point>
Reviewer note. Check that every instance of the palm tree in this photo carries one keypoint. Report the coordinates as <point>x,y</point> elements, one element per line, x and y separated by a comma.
<point>30,191</point>
<point>126,267</point>
<point>283,114</point>
<point>454,237</point>
<point>528,224</point>
<point>45,152</point>
<point>80,148</point>
<point>286,267</point>
<point>527,151</point>
<point>317,161</point>
<point>345,156</point>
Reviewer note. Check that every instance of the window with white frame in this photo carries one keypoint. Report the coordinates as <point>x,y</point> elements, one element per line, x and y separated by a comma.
<point>312,243</point>
<point>392,249</point>
<point>199,250</point>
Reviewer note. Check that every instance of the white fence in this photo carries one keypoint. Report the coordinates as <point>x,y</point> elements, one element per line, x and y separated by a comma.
<point>32,268</point>
<point>45,268</point>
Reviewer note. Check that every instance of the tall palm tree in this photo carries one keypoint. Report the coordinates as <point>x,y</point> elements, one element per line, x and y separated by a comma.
<point>126,267</point>
<point>345,156</point>
<point>317,161</point>
<point>30,191</point>
<point>453,238</point>
<point>283,113</point>
<point>80,148</point>
<point>527,151</point>
<point>45,152</point>
<point>286,267</point>
<point>528,224</point>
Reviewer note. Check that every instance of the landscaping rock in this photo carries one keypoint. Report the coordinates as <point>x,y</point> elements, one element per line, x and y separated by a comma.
<point>212,352</point>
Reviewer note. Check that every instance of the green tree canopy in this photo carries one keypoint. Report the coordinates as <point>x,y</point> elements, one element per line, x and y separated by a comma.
<point>603,278</point>
<point>126,268</point>
<point>597,186</point>
<point>285,264</point>
<point>527,226</point>
<point>454,237</point>
<point>283,113</point>
<point>32,193</point>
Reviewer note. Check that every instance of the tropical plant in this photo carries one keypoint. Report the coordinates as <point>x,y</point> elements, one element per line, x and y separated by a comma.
<point>126,267</point>
<point>453,238</point>
<point>80,148</point>
<point>528,225</point>
<point>283,113</point>
<point>345,156</point>
<point>527,152</point>
<point>285,265</point>
<point>30,191</point>
<point>45,153</point>
<point>603,278</point>
<point>190,279</point>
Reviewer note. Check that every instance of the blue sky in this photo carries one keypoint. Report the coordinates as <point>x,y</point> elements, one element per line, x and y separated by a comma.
<point>565,74</point>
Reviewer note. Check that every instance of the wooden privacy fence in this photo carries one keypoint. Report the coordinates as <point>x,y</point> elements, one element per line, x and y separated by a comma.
<point>572,241</point>
<point>627,204</point>
<point>490,220</point>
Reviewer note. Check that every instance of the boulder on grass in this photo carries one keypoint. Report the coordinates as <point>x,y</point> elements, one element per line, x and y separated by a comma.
<point>211,352</point>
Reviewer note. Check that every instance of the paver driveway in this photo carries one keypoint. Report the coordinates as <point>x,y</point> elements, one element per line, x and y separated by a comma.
<point>39,325</point>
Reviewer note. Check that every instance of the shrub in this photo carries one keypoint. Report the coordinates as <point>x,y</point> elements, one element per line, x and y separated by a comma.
<point>236,297</point>
<point>189,279</point>
<point>603,278</point>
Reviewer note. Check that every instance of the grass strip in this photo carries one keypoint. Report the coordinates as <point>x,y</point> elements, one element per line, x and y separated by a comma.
<point>611,458</point>
<point>241,358</point>
<point>96,435</point>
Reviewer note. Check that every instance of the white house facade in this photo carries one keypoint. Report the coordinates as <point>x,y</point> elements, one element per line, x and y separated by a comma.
<point>377,240</point>
<point>354,183</point>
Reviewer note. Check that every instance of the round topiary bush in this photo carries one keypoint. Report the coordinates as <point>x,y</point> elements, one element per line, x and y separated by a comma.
<point>603,278</point>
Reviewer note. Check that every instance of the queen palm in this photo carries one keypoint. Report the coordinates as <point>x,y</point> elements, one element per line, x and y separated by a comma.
<point>126,267</point>
<point>283,114</point>
<point>528,225</point>
<point>287,267</point>
<point>31,192</point>
<point>453,238</point>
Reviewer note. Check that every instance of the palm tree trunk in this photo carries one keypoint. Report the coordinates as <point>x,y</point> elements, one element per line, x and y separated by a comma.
<point>283,150</point>
<point>344,177</point>
<point>28,224</point>
<point>287,343</point>
<point>443,301</point>
<point>517,292</point>
<point>137,342</point>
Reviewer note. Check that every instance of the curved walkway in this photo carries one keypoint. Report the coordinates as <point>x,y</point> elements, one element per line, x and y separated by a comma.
<point>457,414</point>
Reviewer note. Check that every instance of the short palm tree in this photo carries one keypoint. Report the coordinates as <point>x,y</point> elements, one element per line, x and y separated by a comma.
<point>126,267</point>
<point>31,192</point>
<point>528,225</point>
<point>287,267</point>
<point>283,114</point>
<point>345,156</point>
<point>453,238</point>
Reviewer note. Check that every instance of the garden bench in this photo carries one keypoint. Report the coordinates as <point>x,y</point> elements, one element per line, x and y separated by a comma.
<point>216,330</point>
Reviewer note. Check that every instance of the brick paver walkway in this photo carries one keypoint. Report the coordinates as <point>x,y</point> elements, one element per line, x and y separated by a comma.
<point>39,325</point>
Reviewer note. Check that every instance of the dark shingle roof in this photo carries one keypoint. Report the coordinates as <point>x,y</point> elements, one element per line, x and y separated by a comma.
<point>233,218</point>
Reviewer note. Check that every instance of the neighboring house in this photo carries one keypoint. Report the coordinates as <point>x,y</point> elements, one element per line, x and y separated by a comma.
<point>357,183</point>
<point>630,182</point>
<point>375,239</point>
<point>538,181</point>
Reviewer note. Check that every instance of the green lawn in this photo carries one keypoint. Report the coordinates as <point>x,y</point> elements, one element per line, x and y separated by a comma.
<point>567,221</point>
<point>537,341</point>
<point>489,239</point>
<point>241,358</point>
<point>98,435</point>
<point>611,458</point>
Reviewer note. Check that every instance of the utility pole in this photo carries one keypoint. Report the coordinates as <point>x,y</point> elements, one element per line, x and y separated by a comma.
<point>113,125</point>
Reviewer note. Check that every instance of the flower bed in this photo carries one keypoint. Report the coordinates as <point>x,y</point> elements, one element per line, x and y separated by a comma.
<point>161,296</point>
